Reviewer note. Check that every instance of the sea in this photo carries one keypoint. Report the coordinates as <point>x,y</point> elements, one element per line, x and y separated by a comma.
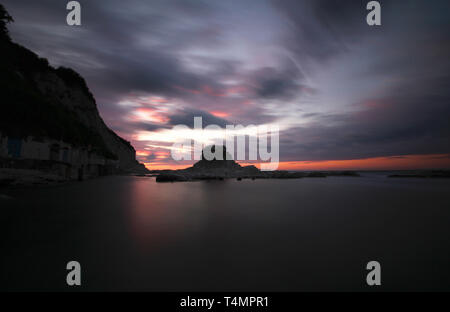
<point>313,234</point>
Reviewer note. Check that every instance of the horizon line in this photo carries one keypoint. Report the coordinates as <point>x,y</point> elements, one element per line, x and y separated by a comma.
<point>397,162</point>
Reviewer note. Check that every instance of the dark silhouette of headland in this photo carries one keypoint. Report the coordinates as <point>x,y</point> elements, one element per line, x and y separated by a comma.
<point>50,126</point>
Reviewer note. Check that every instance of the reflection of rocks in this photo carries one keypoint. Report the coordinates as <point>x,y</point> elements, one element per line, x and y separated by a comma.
<point>171,177</point>
<point>219,169</point>
<point>341,173</point>
<point>22,177</point>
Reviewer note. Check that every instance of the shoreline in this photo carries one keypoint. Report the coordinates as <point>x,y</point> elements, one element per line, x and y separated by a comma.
<point>12,178</point>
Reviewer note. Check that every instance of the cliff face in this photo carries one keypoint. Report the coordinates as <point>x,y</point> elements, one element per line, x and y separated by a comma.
<point>44,102</point>
<point>62,84</point>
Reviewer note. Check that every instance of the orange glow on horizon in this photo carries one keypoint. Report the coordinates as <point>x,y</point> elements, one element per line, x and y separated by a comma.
<point>165,166</point>
<point>406,162</point>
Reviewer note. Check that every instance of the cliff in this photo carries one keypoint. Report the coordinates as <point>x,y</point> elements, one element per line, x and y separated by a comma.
<point>43,102</point>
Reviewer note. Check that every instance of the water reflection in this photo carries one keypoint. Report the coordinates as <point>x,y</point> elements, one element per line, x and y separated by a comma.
<point>131,233</point>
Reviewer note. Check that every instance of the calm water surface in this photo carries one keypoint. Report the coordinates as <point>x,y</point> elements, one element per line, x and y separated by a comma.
<point>131,233</point>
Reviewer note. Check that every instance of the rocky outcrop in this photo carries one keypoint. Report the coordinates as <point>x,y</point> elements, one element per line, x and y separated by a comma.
<point>43,102</point>
<point>220,169</point>
<point>71,91</point>
<point>424,174</point>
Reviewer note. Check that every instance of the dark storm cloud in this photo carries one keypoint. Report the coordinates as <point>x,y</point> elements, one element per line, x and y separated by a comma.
<point>274,83</point>
<point>145,126</point>
<point>186,117</point>
<point>110,37</point>
<point>147,72</point>
<point>321,29</point>
<point>275,87</point>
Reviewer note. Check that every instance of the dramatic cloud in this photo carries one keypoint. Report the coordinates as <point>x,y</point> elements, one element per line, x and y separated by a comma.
<point>339,88</point>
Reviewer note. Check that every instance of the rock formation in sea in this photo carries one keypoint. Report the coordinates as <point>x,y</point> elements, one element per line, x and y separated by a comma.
<point>49,119</point>
<point>225,168</point>
<point>216,168</point>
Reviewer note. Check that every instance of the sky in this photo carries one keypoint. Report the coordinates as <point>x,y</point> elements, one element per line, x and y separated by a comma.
<point>344,95</point>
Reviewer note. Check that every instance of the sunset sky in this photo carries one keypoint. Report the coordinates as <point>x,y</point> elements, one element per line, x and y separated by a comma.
<point>345,95</point>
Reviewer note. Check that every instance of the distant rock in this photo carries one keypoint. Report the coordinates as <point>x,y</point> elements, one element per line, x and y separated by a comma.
<point>219,169</point>
<point>443,174</point>
<point>171,177</point>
